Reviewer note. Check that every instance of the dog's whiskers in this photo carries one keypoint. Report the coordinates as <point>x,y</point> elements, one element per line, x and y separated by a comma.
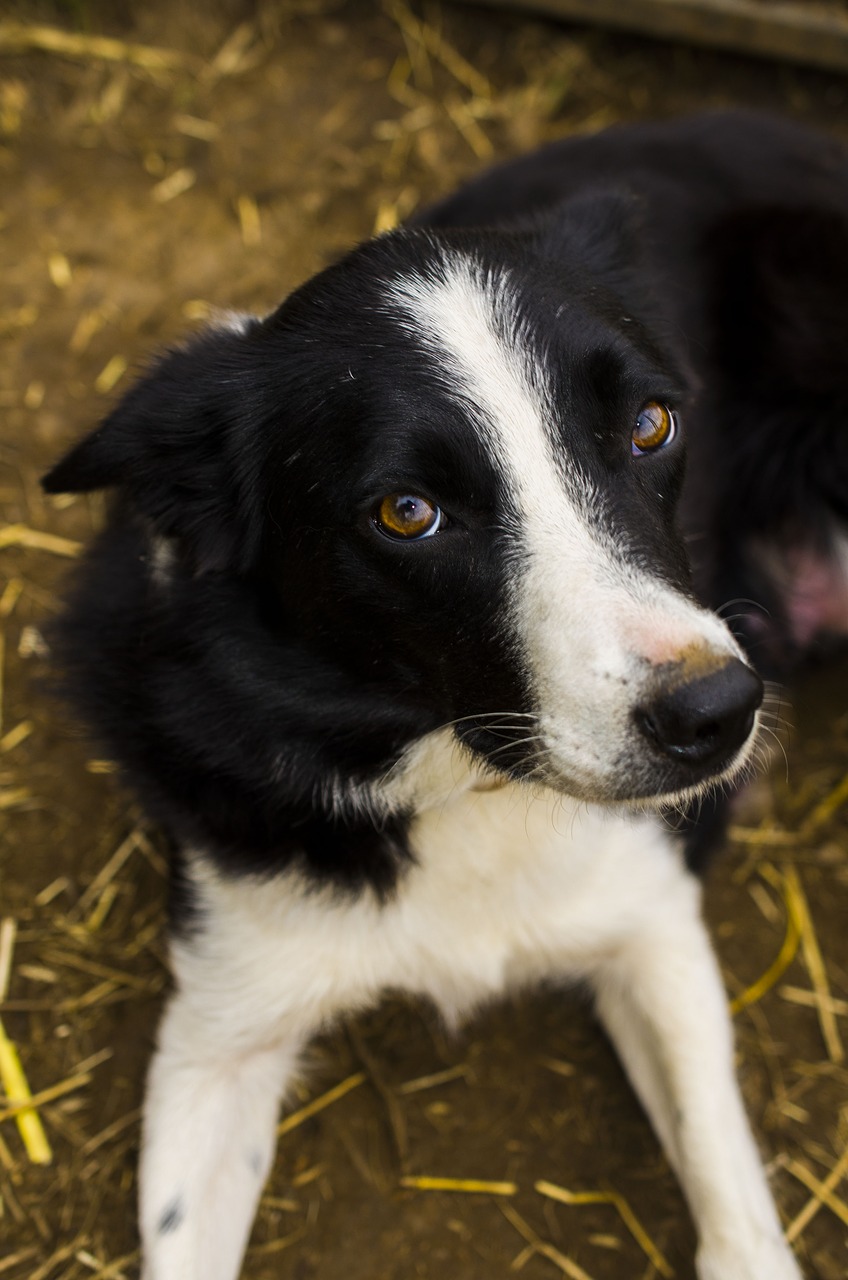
<point>728,604</point>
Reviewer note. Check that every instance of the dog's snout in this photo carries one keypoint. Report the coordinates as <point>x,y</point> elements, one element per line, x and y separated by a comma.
<point>702,721</point>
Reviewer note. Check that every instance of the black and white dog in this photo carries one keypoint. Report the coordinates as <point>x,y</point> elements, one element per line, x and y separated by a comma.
<point>394,631</point>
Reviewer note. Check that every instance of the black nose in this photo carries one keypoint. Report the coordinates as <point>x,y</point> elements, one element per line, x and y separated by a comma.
<point>705,720</point>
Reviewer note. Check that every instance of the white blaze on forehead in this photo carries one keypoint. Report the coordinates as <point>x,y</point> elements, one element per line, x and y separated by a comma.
<point>469,318</point>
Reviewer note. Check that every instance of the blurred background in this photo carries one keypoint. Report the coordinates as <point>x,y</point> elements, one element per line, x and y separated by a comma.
<point>161,159</point>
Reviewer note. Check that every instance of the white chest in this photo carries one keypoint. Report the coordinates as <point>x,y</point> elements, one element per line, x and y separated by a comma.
<point>507,888</point>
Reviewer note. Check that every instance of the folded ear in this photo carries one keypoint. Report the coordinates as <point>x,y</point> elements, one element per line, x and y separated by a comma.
<point>185,446</point>
<point>599,229</point>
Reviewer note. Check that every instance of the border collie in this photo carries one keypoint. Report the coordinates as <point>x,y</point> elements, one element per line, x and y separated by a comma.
<point>394,630</point>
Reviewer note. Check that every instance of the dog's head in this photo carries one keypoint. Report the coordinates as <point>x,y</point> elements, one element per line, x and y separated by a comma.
<point>448,468</point>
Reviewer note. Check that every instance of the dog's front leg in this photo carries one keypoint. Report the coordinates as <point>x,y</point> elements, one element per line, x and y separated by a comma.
<point>208,1142</point>
<point>662,1001</point>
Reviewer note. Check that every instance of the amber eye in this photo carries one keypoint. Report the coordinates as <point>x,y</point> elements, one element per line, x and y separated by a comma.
<point>408,516</point>
<point>655,427</point>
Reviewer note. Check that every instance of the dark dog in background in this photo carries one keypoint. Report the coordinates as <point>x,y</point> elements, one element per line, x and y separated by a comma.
<point>401,572</point>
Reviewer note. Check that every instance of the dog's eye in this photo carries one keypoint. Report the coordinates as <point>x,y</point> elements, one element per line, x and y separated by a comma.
<point>407,516</point>
<point>655,427</point>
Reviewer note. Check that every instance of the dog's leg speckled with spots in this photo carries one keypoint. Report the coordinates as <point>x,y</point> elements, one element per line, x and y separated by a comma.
<point>209,1139</point>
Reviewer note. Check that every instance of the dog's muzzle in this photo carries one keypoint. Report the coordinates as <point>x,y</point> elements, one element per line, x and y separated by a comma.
<point>704,721</point>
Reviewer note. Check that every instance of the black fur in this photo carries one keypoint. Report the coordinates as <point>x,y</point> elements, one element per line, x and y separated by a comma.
<point>292,653</point>
<point>172,1218</point>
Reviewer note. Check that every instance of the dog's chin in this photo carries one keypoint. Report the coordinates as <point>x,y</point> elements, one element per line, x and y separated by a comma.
<point>636,782</point>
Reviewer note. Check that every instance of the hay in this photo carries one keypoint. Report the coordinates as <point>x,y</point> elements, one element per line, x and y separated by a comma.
<point>109,871</point>
<point>435,1080</point>
<point>106,1271</point>
<point>297,1118</point>
<point>393,1109</point>
<point>11,797</point>
<point>8,930</point>
<point>59,1255</point>
<point>59,270</point>
<point>18,1092</point>
<point>465,1186</point>
<point>811,1000</point>
<point>465,122</point>
<point>31,1101</point>
<point>12,593</point>
<point>815,966</point>
<point>559,1068</point>
<point>15,1259</point>
<point>194,127</point>
<point>821,1192</point>
<point>825,810</point>
<point>52,890</point>
<point>19,535</point>
<point>12,1075</point>
<point>250,221</point>
<point>241,52</point>
<point>112,1131</point>
<point>434,43</point>
<point>176,183</point>
<point>536,1245</point>
<point>628,1217</point>
<point>19,37</point>
<point>277,1246</point>
<point>87,327</point>
<point>110,375</point>
<point>784,958</point>
<point>15,736</point>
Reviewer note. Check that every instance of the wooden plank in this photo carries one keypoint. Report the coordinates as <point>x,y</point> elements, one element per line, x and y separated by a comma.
<point>809,33</point>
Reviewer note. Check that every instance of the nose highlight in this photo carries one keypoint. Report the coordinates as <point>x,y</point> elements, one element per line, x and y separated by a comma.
<point>703,721</point>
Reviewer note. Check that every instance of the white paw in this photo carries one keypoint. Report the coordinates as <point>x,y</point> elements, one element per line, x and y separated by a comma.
<point>769,1258</point>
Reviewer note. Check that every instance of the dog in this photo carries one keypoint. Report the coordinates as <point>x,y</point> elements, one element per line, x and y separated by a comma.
<point>403,627</point>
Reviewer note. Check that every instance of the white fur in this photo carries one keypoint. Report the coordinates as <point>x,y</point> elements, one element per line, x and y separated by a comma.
<point>162,558</point>
<point>230,321</point>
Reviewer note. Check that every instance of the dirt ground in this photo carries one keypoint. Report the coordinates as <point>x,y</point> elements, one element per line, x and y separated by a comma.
<point>137,193</point>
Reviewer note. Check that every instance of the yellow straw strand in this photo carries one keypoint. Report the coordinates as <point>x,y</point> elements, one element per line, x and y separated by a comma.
<point>318,1104</point>
<point>19,37</point>
<point>815,967</point>
<point>470,1186</point>
<point>822,1193</point>
<point>566,1265</point>
<point>784,958</point>
<point>826,809</point>
<point>46,1095</point>
<point>628,1217</point>
<point>16,1088</point>
<point>20,535</point>
<point>800,1223</point>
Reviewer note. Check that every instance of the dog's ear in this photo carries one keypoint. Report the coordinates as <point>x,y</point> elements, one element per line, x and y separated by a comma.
<point>183,445</point>
<point>599,230</point>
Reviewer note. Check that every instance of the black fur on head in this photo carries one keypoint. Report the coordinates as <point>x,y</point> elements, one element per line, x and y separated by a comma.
<point>240,638</point>
<point>184,447</point>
